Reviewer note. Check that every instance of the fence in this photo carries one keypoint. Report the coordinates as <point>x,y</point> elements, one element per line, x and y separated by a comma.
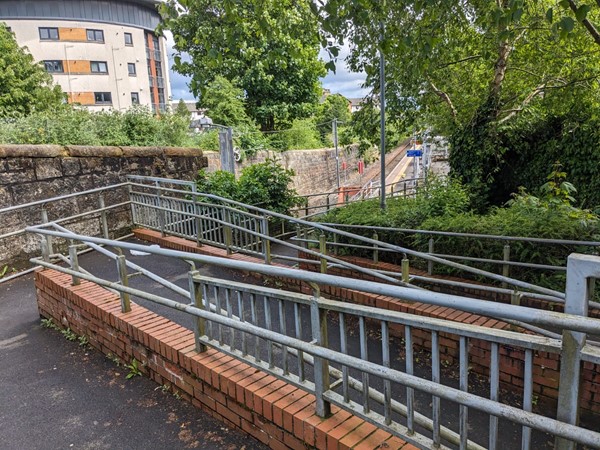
<point>103,211</point>
<point>289,335</point>
<point>158,192</point>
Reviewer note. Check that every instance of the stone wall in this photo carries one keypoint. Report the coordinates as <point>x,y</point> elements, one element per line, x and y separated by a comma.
<point>30,173</point>
<point>315,169</point>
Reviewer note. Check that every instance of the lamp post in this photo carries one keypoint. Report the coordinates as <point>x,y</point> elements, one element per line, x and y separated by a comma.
<point>382,110</point>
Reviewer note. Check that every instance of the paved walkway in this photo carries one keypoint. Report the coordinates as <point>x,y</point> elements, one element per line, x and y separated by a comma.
<point>57,394</point>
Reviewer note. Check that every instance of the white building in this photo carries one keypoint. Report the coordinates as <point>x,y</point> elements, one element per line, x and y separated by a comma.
<point>103,53</point>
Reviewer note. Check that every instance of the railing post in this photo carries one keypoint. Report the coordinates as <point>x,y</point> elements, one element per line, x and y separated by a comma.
<point>227,229</point>
<point>197,213</point>
<point>196,298</point>
<point>430,263</point>
<point>375,248</point>
<point>306,209</point>
<point>103,220</point>
<point>327,202</point>
<point>124,279</point>
<point>266,242</point>
<point>335,241</point>
<point>404,183</point>
<point>48,238</point>
<point>506,267</point>
<point>134,218</point>
<point>392,190</point>
<point>346,197</point>
<point>405,269</point>
<point>162,215</point>
<point>318,320</point>
<point>581,271</point>
<point>45,250</point>
<point>74,264</point>
<point>323,251</point>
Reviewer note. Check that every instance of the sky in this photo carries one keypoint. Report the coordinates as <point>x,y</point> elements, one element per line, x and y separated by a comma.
<point>342,82</point>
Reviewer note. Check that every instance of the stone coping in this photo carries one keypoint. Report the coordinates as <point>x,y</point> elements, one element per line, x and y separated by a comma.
<point>87,151</point>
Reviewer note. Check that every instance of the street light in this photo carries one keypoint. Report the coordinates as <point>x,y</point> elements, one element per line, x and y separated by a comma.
<point>382,111</point>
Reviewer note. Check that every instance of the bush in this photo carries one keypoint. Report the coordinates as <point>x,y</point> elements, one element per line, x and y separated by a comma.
<point>443,206</point>
<point>73,126</point>
<point>302,135</point>
<point>267,185</point>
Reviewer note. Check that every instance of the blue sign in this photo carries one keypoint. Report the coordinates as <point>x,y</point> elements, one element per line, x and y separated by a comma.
<point>414,153</point>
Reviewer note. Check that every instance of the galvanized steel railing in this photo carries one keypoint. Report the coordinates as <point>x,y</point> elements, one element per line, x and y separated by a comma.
<point>90,208</point>
<point>292,336</point>
<point>317,204</point>
<point>159,189</point>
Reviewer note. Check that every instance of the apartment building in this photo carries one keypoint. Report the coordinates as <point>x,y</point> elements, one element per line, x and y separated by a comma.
<point>103,53</point>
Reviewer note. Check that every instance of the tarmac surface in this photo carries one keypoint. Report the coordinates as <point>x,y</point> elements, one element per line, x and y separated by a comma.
<point>56,394</point>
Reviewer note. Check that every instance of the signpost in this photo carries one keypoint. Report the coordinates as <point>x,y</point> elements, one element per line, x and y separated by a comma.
<point>414,153</point>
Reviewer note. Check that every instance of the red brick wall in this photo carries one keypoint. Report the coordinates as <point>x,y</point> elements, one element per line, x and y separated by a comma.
<point>245,398</point>
<point>546,366</point>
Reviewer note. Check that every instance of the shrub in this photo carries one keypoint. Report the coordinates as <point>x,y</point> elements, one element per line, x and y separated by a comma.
<point>267,185</point>
<point>74,126</point>
<point>443,206</point>
<point>302,135</point>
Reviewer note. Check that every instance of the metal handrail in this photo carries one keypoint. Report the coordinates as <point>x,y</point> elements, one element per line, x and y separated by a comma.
<point>379,244</point>
<point>60,197</point>
<point>474,306</point>
<point>468,235</point>
<point>322,355</point>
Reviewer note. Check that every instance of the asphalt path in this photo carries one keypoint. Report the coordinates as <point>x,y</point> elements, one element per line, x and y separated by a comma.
<point>56,394</point>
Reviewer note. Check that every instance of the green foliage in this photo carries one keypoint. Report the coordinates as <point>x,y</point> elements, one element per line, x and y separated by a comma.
<point>74,126</point>
<point>528,146</point>
<point>267,185</point>
<point>208,140</point>
<point>134,369</point>
<point>25,86</point>
<point>69,335</point>
<point>181,110</point>
<point>219,183</point>
<point>268,48</point>
<point>303,134</point>
<point>335,106</point>
<point>444,206</point>
<point>225,103</point>
<point>48,323</point>
<point>472,70</point>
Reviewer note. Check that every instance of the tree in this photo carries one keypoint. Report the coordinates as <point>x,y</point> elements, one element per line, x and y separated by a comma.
<point>225,103</point>
<point>335,106</point>
<point>181,110</point>
<point>269,48</point>
<point>470,68</point>
<point>24,85</point>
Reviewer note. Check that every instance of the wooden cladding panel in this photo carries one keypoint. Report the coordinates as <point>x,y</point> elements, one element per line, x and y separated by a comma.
<point>72,34</point>
<point>77,67</point>
<point>83,98</point>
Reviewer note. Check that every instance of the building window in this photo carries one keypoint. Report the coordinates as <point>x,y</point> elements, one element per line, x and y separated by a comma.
<point>49,34</point>
<point>159,72</point>
<point>98,67</point>
<point>95,35</point>
<point>135,98</point>
<point>103,98</point>
<point>131,69</point>
<point>54,66</point>
<point>129,39</point>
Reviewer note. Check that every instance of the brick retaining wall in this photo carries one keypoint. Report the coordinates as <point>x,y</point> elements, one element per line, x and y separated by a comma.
<point>546,366</point>
<point>245,398</point>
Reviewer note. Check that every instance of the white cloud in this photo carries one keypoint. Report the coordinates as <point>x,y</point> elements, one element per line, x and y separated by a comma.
<point>343,81</point>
